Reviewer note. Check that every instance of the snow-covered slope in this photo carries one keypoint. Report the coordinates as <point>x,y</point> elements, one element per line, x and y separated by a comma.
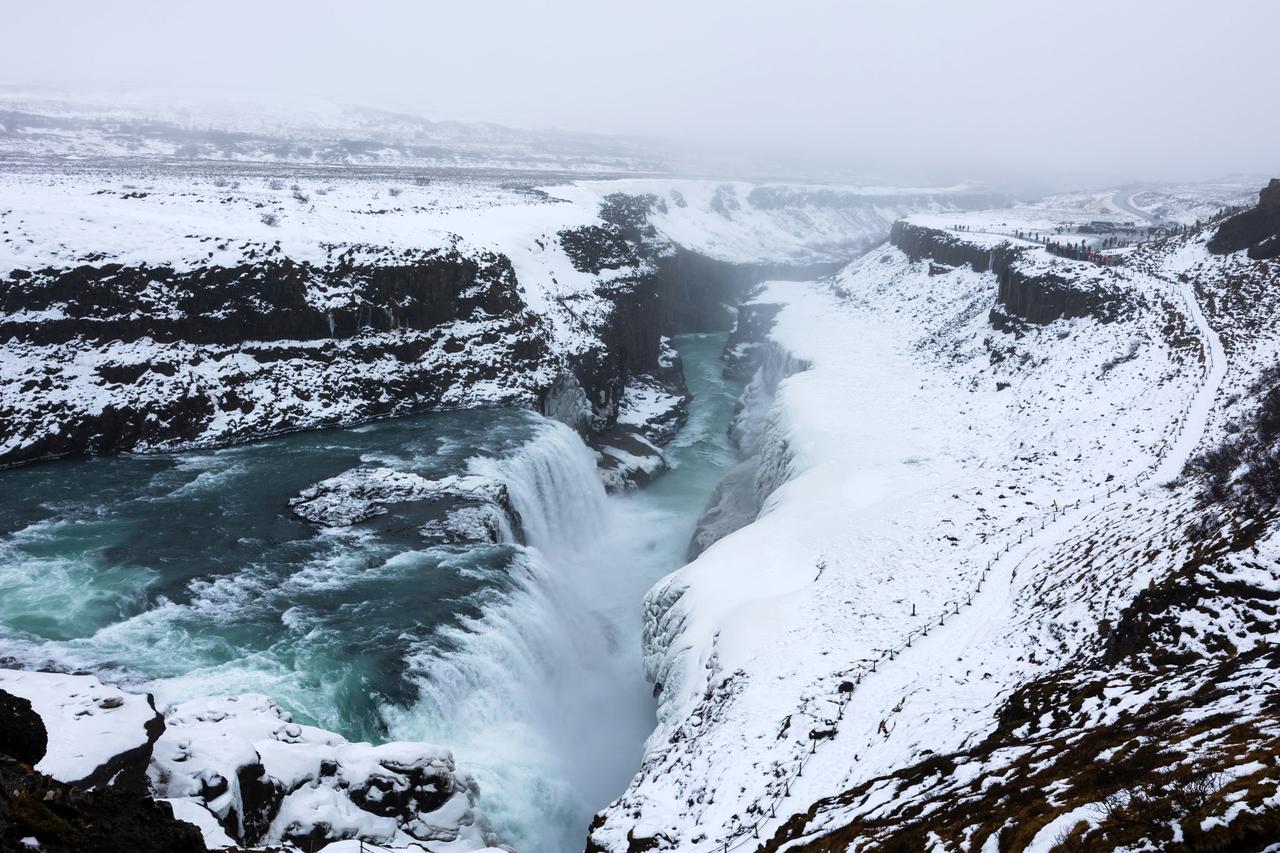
<point>964,520</point>
<point>96,734</point>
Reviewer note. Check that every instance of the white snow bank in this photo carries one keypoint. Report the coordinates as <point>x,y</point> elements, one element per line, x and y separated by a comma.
<point>269,779</point>
<point>88,723</point>
<point>194,812</point>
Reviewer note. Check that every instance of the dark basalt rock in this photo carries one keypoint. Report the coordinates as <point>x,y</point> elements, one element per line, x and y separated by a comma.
<point>22,732</point>
<point>412,791</point>
<point>593,248</point>
<point>741,349</point>
<point>642,844</point>
<point>1256,229</point>
<point>113,429</point>
<point>1045,298</point>
<point>67,819</point>
<point>254,302</point>
<point>920,243</point>
<point>316,836</point>
<point>627,458</point>
<point>216,318</point>
<point>1038,299</point>
<point>260,795</point>
<point>630,214</point>
<point>1266,250</point>
<point>109,810</point>
<point>632,347</point>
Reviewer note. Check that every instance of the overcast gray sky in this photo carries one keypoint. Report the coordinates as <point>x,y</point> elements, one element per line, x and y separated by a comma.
<point>1172,89</point>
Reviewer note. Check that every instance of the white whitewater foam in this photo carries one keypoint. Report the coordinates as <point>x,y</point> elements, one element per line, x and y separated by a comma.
<point>543,696</point>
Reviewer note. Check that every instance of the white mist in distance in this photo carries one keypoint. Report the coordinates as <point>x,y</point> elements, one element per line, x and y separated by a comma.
<point>990,89</point>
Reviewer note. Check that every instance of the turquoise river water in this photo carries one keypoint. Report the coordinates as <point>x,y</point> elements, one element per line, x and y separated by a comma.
<point>186,575</point>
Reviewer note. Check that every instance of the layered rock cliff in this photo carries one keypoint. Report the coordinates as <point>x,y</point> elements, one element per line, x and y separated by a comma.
<point>147,325</point>
<point>1026,292</point>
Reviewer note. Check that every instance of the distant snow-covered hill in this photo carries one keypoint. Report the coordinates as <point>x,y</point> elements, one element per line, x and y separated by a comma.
<point>45,125</point>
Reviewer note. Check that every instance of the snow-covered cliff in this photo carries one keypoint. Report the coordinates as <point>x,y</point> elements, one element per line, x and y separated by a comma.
<point>180,308</point>
<point>984,543</point>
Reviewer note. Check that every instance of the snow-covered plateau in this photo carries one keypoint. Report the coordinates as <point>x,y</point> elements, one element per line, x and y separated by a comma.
<point>991,564</point>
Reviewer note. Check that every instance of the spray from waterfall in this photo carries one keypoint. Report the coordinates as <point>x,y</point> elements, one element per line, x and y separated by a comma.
<point>554,487</point>
<point>528,693</point>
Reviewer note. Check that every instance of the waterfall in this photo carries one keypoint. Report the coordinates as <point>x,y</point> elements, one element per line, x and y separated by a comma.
<point>554,487</point>
<point>509,631</point>
<point>527,692</point>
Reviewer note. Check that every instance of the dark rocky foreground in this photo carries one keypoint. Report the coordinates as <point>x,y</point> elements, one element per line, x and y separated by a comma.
<point>88,816</point>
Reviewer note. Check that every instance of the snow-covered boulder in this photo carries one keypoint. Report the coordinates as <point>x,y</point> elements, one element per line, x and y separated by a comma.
<point>268,780</point>
<point>651,407</point>
<point>484,523</point>
<point>626,459</point>
<point>358,495</point>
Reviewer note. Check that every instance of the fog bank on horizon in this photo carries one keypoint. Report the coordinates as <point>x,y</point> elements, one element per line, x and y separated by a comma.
<point>1109,91</point>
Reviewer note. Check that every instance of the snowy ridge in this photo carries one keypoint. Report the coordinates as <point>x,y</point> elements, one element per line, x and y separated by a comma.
<point>816,647</point>
<point>775,223</point>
